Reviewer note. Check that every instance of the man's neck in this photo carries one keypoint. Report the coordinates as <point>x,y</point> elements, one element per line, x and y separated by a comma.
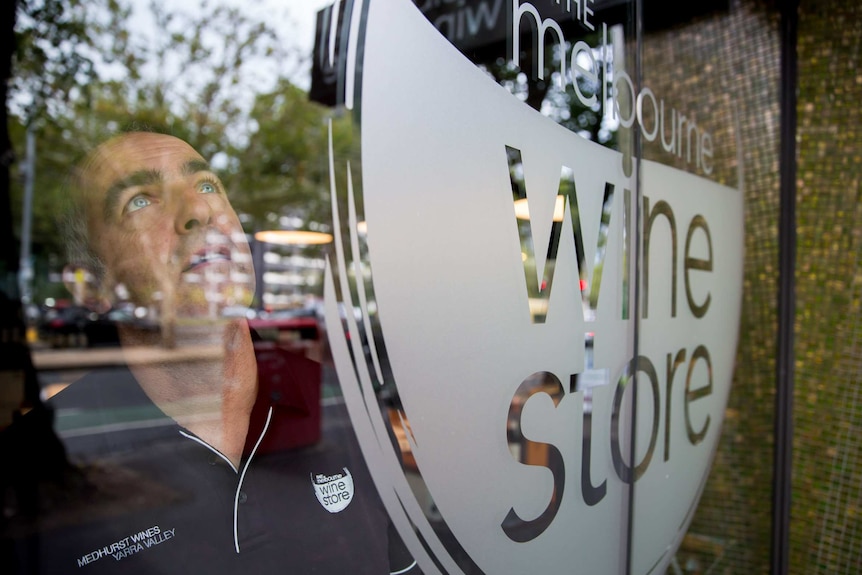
<point>211,395</point>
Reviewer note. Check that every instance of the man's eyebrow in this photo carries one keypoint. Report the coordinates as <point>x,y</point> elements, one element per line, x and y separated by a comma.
<point>115,191</point>
<point>195,166</point>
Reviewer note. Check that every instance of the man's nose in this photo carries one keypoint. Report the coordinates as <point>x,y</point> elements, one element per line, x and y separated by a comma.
<point>193,211</point>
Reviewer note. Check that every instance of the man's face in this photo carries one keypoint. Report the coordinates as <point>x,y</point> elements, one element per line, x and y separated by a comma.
<point>160,221</point>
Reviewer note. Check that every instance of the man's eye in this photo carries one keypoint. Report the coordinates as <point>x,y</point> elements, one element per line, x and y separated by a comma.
<point>137,203</point>
<point>207,188</point>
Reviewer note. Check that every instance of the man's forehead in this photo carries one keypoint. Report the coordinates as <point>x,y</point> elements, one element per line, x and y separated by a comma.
<point>137,151</point>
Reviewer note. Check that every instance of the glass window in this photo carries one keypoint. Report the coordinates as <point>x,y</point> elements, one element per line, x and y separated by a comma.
<point>473,286</point>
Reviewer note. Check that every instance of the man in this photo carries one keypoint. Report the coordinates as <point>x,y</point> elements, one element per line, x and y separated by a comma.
<point>201,490</point>
<point>159,224</point>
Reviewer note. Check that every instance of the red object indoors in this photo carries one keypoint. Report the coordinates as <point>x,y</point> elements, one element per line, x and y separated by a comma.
<point>289,382</point>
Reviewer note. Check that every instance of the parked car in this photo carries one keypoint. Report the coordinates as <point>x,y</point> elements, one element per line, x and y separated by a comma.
<point>64,326</point>
<point>103,330</point>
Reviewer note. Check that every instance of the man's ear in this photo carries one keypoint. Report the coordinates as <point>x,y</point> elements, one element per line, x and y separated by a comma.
<point>86,288</point>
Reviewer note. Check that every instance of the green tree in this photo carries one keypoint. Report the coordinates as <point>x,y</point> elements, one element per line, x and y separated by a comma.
<point>52,65</point>
<point>84,72</point>
<point>282,169</point>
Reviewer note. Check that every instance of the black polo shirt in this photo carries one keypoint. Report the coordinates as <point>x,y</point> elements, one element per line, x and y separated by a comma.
<point>176,505</point>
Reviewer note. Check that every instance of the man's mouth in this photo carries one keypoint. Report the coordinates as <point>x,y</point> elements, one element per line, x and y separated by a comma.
<point>208,255</point>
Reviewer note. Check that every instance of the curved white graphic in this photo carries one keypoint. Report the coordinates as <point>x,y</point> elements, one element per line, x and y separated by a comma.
<point>509,335</point>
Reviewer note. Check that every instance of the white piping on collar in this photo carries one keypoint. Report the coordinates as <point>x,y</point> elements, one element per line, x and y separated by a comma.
<point>242,477</point>
<point>210,447</point>
<point>405,570</point>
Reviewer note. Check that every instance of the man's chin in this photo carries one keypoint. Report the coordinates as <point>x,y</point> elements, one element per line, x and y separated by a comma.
<point>215,306</point>
<point>183,332</point>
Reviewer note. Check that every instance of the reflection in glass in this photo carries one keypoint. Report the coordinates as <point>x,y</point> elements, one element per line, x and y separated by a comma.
<point>540,291</point>
<point>534,453</point>
<point>564,68</point>
<point>190,443</point>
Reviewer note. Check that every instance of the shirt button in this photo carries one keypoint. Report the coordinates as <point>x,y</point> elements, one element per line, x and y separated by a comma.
<point>243,497</point>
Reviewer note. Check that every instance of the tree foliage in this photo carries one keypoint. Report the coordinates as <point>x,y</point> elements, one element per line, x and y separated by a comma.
<point>208,74</point>
<point>281,168</point>
<point>51,66</point>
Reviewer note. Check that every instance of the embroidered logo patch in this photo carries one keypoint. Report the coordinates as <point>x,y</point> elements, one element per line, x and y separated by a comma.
<point>334,492</point>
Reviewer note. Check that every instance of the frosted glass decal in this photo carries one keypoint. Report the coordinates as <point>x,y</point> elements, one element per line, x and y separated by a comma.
<point>514,400</point>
